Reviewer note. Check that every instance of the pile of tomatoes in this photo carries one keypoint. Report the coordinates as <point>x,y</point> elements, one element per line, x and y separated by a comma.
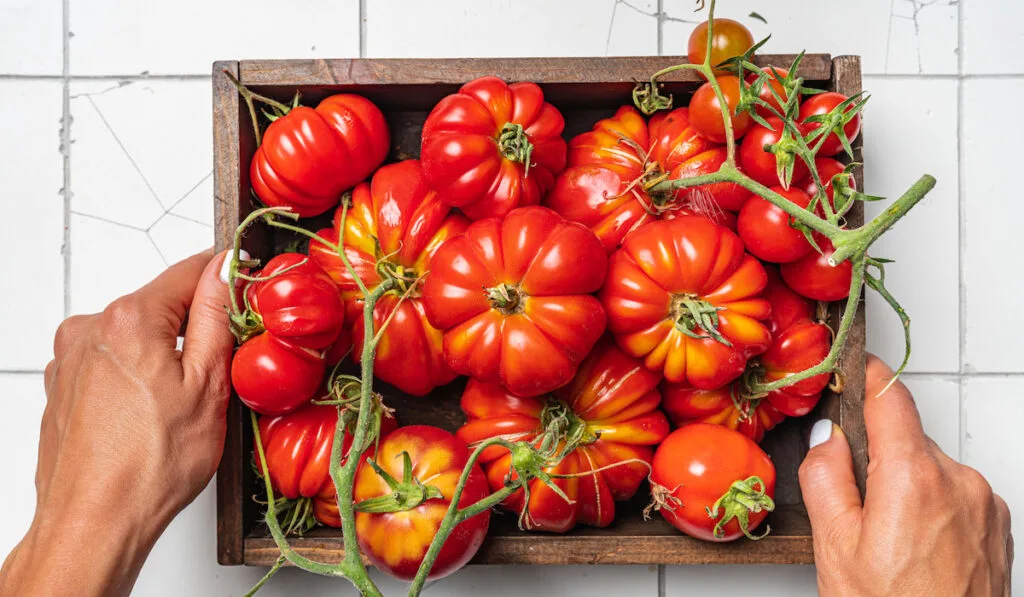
<point>573,294</point>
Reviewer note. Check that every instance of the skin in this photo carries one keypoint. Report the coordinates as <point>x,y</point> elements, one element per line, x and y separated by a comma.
<point>928,525</point>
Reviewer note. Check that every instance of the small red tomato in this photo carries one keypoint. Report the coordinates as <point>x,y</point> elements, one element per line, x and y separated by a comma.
<point>725,406</point>
<point>706,110</point>
<point>795,349</point>
<point>731,39</point>
<point>814,278</point>
<point>768,232</point>
<point>771,88</point>
<point>762,165</point>
<point>722,195</point>
<point>299,302</point>
<point>273,376</point>
<point>827,169</point>
<point>713,483</point>
<point>823,103</point>
<point>788,307</point>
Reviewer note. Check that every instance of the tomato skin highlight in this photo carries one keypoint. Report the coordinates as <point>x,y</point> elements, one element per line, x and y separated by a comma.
<point>731,39</point>
<point>814,278</point>
<point>461,152</point>
<point>300,303</point>
<point>823,103</point>
<point>768,232</point>
<point>762,165</point>
<point>706,111</point>
<point>309,157</point>
<point>397,542</point>
<point>272,376</point>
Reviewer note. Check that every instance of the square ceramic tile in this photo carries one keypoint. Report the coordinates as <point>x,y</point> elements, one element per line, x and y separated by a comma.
<point>24,400</point>
<point>565,581</point>
<point>893,36</point>
<point>31,37</point>
<point>992,35</point>
<point>899,146</point>
<point>523,28</point>
<point>938,401</point>
<point>993,408</point>
<point>112,37</point>
<point>993,211</point>
<point>763,581</point>
<point>33,173</point>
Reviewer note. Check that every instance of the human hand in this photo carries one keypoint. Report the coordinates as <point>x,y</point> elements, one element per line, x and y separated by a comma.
<point>133,430</point>
<point>928,525</point>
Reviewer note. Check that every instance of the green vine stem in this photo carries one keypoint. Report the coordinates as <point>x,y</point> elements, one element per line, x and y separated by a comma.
<point>273,570</point>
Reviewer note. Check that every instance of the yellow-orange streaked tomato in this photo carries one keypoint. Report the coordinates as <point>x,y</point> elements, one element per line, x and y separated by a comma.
<point>723,406</point>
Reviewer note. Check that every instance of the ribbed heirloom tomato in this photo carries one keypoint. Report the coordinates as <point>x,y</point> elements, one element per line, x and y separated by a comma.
<point>609,412</point>
<point>725,406</point>
<point>397,541</point>
<point>493,147</point>
<point>513,298</point>
<point>394,226</point>
<point>272,376</point>
<point>309,157</point>
<point>684,296</point>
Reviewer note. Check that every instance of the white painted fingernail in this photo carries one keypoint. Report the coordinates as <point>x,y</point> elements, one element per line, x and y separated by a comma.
<point>225,268</point>
<point>821,432</point>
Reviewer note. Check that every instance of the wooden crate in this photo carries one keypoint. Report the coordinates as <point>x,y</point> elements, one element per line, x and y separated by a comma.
<point>585,90</point>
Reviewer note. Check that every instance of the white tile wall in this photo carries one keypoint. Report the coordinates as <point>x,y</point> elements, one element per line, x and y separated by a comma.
<point>140,197</point>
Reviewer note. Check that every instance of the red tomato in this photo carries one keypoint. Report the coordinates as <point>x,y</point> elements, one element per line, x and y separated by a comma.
<point>823,103</point>
<point>273,376</point>
<point>615,400</point>
<point>706,111</point>
<point>706,469</point>
<point>513,298</point>
<point>827,169</point>
<point>795,349</point>
<point>724,406</point>
<point>771,87</point>
<point>493,147</point>
<point>814,278</point>
<point>788,307</point>
<point>762,165</point>
<point>396,542</point>
<point>731,38</point>
<point>393,228</point>
<point>710,199</point>
<point>674,286</point>
<point>298,449</point>
<point>768,232</point>
<point>309,157</point>
<point>299,302</point>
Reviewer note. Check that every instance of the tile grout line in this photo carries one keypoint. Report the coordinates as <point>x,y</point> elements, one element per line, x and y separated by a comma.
<point>65,145</point>
<point>362,28</point>
<point>661,580</point>
<point>961,239</point>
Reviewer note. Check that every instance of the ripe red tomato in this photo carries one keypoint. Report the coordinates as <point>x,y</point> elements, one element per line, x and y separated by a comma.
<point>493,147</point>
<point>396,542</point>
<point>795,349</point>
<point>771,87</point>
<point>674,286</point>
<point>705,468</point>
<point>768,232</point>
<point>762,165</point>
<point>788,307</point>
<point>395,225</point>
<point>273,376</point>
<point>706,111</point>
<point>710,199</point>
<point>814,278</point>
<point>827,169</point>
<point>309,157</point>
<point>612,402</point>
<point>731,38</point>
<point>723,406</point>
<point>823,103</point>
<point>299,302</point>
<point>513,298</point>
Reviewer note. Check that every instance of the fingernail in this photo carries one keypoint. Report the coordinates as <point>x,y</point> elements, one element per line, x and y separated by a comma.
<point>225,268</point>
<point>821,432</point>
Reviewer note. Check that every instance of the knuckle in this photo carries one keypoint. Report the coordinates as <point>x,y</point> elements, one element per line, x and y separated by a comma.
<point>67,332</point>
<point>124,313</point>
<point>975,485</point>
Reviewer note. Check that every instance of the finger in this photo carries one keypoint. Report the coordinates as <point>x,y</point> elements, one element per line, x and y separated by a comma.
<point>49,376</point>
<point>208,339</point>
<point>168,297</point>
<point>891,418</point>
<point>829,487</point>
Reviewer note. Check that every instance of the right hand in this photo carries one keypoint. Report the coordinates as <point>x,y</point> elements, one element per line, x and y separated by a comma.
<point>928,525</point>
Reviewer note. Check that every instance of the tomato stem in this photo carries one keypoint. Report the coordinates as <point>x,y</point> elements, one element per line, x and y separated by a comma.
<point>506,298</point>
<point>693,313</point>
<point>743,498</point>
<point>514,144</point>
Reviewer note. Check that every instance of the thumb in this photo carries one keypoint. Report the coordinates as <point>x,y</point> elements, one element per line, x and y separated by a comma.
<point>208,339</point>
<point>829,487</point>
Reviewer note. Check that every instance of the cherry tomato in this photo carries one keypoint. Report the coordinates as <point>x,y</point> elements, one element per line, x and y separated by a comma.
<point>493,147</point>
<point>309,157</point>
<point>397,542</point>
<point>827,169</point>
<point>722,195</point>
<point>615,400</point>
<point>723,406</point>
<point>513,298</point>
<point>768,232</point>
<point>771,87</point>
<point>273,376</point>
<point>823,103</point>
<point>814,278</point>
<point>731,39</point>
<point>788,307</point>
<point>795,349</point>
<point>762,165</point>
<point>684,296</point>
<point>701,470</point>
<point>706,111</point>
<point>299,302</point>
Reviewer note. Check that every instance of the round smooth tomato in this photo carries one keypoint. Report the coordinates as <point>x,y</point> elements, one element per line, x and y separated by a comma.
<point>814,278</point>
<point>309,157</point>
<point>768,232</point>
<point>610,409</point>
<point>706,111</point>
<point>705,474</point>
<point>273,376</point>
<point>725,406</point>
<point>823,103</point>
<point>514,299</point>
<point>397,542</point>
<point>731,38</point>
<point>298,301</point>
<point>827,169</point>
<point>709,199</point>
<point>788,307</point>
<point>795,349</point>
<point>762,165</point>
<point>394,226</point>
<point>771,88</point>
<point>493,147</point>
<point>685,296</point>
